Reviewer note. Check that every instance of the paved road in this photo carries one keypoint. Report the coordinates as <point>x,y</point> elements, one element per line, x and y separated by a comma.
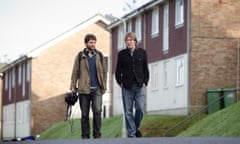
<point>161,140</point>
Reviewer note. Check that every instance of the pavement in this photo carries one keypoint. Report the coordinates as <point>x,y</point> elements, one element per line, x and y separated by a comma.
<point>155,140</point>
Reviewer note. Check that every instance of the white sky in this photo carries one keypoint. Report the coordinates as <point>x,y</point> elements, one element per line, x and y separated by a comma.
<point>26,24</point>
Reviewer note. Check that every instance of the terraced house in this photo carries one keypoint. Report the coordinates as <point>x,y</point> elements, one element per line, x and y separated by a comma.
<point>35,84</point>
<point>192,45</point>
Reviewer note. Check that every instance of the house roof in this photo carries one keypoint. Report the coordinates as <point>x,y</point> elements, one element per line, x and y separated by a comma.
<point>77,28</point>
<point>35,52</point>
<point>135,13</point>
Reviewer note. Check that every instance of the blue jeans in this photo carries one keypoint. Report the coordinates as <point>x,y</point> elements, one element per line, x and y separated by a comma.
<point>135,96</point>
<point>93,99</point>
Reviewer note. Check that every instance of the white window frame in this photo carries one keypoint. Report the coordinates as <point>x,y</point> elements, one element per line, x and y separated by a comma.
<point>28,71</point>
<point>24,79</point>
<point>165,74</point>
<point>155,22</point>
<point>13,77</point>
<point>179,13</point>
<point>129,26</point>
<point>6,80</point>
<point>155,82</point>
<point>179,71</point>
<point>10,88</point>
<point>19,74</point>
<point>120,38</point>
<point>166,28</point>
<point>138,28</point>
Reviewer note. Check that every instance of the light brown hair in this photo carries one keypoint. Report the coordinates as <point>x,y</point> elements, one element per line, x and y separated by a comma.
<point>131,35</point>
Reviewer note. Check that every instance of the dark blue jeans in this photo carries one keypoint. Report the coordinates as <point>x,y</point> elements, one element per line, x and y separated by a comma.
<point>135,96</point>
<point>95,100</point>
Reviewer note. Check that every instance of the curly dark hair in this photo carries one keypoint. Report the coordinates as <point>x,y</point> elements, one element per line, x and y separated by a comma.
<point>89,37</point>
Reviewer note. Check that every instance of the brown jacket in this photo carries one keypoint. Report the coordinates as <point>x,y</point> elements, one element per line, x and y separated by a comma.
<point>80,78</point>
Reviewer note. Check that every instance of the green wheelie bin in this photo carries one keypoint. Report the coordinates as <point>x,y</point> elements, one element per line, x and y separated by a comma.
<point>229,96</point>
<point>213,99</point>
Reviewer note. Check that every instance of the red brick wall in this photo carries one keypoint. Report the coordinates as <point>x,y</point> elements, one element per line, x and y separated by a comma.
<point>51,73</point>
<point>213,54</point>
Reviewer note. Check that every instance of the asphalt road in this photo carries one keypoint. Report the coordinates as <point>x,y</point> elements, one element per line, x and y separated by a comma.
<point>160,140</point>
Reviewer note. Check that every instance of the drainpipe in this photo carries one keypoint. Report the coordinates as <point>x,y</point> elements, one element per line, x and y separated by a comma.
<point>1,111</point>
<point>124,32</point>
<point>238,72</point>
<point>188,56</point>
<point>123,115</point>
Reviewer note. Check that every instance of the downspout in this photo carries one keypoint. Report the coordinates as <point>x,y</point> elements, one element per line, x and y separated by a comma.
<point>145,47</point>
<point>2,92</point>
<point>238,72</point>
<point>123,132</point>
<point>188,56</point>
<point>14,94</point>
<point>123,115</point>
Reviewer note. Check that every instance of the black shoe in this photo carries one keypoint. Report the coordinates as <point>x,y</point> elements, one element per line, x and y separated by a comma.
<point>97,136</point>
<point>138,133</point>
<point>85,137</point>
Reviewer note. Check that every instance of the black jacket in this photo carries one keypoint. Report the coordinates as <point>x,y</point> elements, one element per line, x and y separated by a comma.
<point>132,69</point>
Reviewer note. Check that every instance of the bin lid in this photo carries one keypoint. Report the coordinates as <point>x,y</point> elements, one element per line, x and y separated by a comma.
<point>214,89</point>
<point>229,89</point>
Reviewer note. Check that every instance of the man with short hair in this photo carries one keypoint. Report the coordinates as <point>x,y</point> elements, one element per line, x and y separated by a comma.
<point>132,75</point>
<point>89,80</point>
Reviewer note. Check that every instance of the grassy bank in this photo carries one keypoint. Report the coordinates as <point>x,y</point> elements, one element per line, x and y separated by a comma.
<point>222,123</point>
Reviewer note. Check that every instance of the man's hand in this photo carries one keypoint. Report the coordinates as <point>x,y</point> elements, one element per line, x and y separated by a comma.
<point>73,90</point>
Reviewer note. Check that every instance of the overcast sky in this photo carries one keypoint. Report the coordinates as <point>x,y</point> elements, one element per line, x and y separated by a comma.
<point>26,24</point>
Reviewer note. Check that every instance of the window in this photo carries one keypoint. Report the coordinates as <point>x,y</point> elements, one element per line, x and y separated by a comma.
<point>28,71</point>
<point>13,77</point>
<point>24,80</point>
<point>179,12</point>
<point>166,28</point>
<point>155,22</point>
<point>129,27</point>
<point>10,88</point>
<point>180,71</point>
<point>120,37</point>
<point>165,74</point>
<point>19,74</point>
<point>155,77</point>
<point>6,81</point>
<point>138,28</point>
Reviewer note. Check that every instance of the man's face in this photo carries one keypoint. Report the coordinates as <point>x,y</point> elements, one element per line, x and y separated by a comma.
<point>130,43</point>
<point>91,44</point>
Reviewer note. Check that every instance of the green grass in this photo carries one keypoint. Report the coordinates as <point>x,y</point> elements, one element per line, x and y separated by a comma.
<point>225,123</point>
<point>222,123</point>
<point>152,126</point>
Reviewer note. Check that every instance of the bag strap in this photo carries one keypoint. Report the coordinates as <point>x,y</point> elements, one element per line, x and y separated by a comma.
<point>80,56</point>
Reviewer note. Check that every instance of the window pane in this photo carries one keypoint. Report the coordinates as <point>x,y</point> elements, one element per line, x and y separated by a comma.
<point>180,71</point>
<point>139,29</point>
<point>179,12</point>
<point>19,74</point>
<point>6,81</point>
<point>120,38</point>
<point>166,28</point>
<point>155,21</point>
<point>165,68</point>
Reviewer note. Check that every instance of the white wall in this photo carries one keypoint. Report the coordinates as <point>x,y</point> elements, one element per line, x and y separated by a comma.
<point>160,98</point>
<point>167,97</point>
<point>117,98</point>
<point>23,125</point>
<point>8,121</point>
